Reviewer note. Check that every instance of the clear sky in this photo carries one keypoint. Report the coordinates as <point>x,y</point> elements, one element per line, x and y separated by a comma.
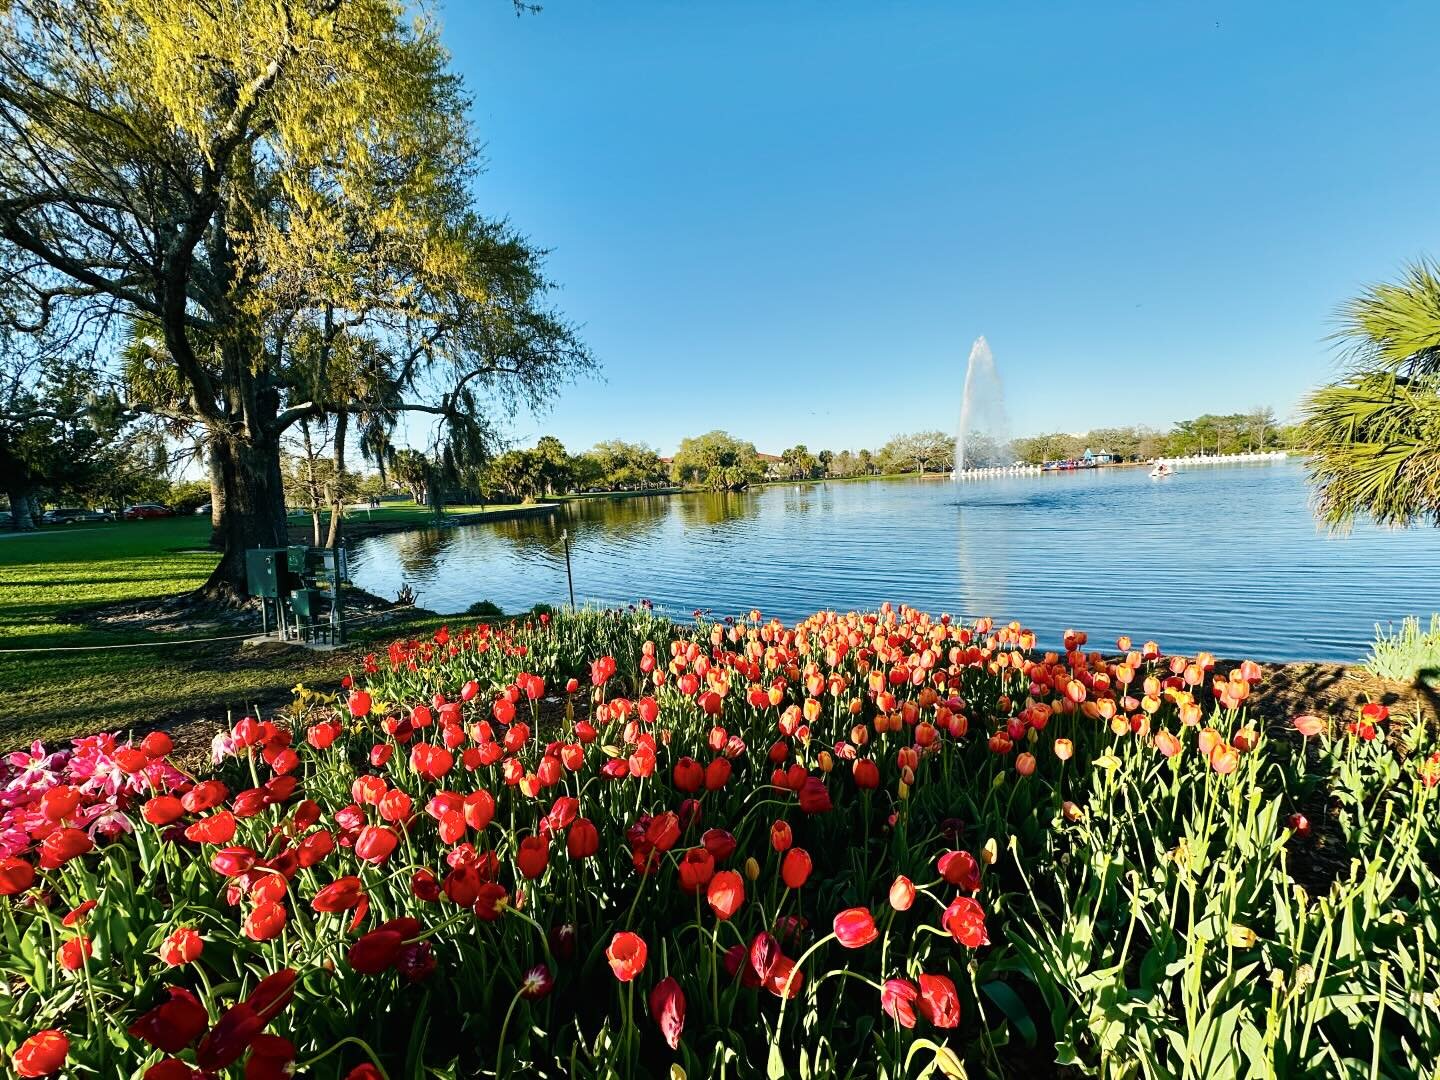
<point>790,219</point>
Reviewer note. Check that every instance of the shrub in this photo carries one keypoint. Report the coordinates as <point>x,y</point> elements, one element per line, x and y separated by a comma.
<point>1410,655</point>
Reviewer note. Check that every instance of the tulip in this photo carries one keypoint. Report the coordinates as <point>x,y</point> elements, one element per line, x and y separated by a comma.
<point>1064,749</point>
<point>960,869</point>
<point>667,1006</point>
<point>696,868</point>
<point>74,952</point>
<point>719,843</point>
<point>902,893</point>
<point>343,894</point>
<point>174,1024</point>
<point>181,946</point>
<point>725,894</point>
<point>897,998</point>
<point>16,875</point>
<point>537,983</point>
<point>375,951</point>
<point>265,921</point>
<point>375,843</point>
<point>689,775</point>
<point>764,954</point>
<point>626,953</point>
<point>780,836</point>
<point>814,796</point>
<point>938,1002</point>
<point>795,868</point>
<point>583,839</point>
<point>490,901</point>
<point>965,920</point>
<point>533,856</point>
<point>229,1038</point>
<point>61,846</point>
<point>855,928</point>
<point>1308,725</point>
<point>359,704</point>
<point>41,1054</point>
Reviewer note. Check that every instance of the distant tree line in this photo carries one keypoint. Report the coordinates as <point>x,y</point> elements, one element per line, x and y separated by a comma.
<point>1234,433</point>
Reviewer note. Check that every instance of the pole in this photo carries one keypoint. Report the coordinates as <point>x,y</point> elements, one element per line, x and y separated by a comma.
<point>569,578</point>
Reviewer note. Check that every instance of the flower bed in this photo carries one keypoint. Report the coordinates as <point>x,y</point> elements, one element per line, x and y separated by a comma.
<point>869,845</point>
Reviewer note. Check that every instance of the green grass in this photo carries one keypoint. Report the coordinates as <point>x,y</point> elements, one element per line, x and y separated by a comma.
<point>418,514</point>
<point>50,577</point>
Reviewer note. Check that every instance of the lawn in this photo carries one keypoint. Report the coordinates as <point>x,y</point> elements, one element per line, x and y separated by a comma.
<point>48,579</point>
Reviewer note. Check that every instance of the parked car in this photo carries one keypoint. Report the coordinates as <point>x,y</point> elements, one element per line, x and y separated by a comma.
<point>74,515</point>
<point>203,508</point>
<point>146,510</point>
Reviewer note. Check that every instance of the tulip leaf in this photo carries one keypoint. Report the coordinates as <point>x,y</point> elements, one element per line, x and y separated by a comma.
<point>1013,1008</point>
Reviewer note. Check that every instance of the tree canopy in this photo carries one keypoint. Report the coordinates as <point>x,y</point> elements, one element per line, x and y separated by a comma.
<point>717,461</point>
<point>1374,436</point>
<point>279,196</point>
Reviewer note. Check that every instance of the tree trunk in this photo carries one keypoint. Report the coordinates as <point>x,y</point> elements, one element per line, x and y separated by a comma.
<point>337,506</point>
<point>254,509</point>
<point>217,501</point>
<point>21,513</point>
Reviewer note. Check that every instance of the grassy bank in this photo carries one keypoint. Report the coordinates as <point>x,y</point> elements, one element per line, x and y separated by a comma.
<point>52,581</point>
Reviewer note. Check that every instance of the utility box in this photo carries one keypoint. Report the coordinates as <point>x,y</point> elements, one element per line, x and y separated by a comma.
<point>266,572</point>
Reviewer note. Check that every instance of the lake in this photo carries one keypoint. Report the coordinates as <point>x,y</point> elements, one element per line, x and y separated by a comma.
<point>1226,558</point>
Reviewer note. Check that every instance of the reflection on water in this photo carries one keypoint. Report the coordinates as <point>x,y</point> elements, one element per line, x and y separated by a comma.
<point>1222,558</point>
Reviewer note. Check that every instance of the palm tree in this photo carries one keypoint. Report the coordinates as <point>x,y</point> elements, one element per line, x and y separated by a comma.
<point>1374,437</point>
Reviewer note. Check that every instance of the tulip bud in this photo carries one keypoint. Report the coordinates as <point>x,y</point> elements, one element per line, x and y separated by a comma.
<point>827,762</point>
<point>1071,812</point>
<point>904,790</point>
<point>752,869</point>
<point>989,852</point>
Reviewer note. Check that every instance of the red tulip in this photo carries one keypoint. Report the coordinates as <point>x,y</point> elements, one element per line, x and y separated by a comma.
<point>1300,825</point>
<point>897,998</point>
<point>359,704</point>
<point>229,1038</point>
<point>205,795</point>
<point>784,979</point>
<point>162,810</point>
<point>59,802</point>
<point>41,1054</point>
<point>719,843</point>
<point>667,1006</point>
<point>583,839</point>
<point>626,953</point>
<point>960,869</point>
<point>61,846</point>
<point>764,954</point>
<point>232,861</point>
<point>866,774</point>
<point>16,875</point>
<point>182,946</point>
<point>696,868</point>
<point>343,894</point>
<point>171,1069</point>
<point>855,928</point>
<point>717,774</point>
<point>271,1058</point>
<point>375,843</point>
<point>725,894</point>
<point>938,1001</point>
<point>814,796</point>
<point>75,951</point>
<point>490,901</point>
<point>780,836</point>
<point>795,868</point>
<point>688,775</point>
<point>266,921</point>
<point>533,856</point>
<point>375,951</point>
<point>218,828</point>
<point>174,1024</point>
<point>965,919</point>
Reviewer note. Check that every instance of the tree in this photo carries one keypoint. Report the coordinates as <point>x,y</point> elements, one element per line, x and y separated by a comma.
<point>799,463</point>
<point>59,435</point>
<point>865,461</point>
<point>552,465</point>
<point>1374,436</point>
<point>717,461</point>
<point>413,471</point>
<point>623,466</point>
<point>924,450</point>
<point>242,178</point>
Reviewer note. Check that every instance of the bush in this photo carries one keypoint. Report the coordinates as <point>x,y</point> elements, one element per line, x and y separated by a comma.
<point>1410,655</point>
<point>189,496</point>
<point>485,609</point>
<point>600,845</point>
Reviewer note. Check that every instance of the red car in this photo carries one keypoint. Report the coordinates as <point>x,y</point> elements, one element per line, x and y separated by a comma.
<point>146,510</point>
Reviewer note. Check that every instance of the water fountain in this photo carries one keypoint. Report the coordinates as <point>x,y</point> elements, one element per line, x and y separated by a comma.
<point>982,445</point>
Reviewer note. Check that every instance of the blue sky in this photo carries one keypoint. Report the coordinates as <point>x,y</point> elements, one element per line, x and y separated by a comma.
<point>790,219</point>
